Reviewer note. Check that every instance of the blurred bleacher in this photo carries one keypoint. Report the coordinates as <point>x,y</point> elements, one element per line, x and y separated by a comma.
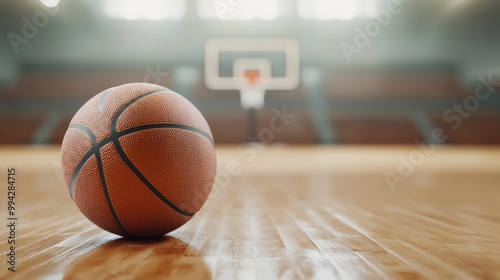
<point>369,106</point>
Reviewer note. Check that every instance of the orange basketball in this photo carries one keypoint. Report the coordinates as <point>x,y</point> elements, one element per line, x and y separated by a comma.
<point>138,160</point>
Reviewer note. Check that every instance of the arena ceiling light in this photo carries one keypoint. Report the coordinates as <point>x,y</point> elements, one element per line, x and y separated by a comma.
<point>336,9</point>
<point>50,3</point>
<point>241,9</point>
<point>145,9</point>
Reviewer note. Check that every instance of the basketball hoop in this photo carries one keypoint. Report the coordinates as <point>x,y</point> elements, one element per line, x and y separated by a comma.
<point>252,77</point>
<point>252,74</point>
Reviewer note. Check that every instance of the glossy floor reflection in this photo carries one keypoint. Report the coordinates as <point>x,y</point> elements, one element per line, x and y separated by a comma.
<point>292,213</point>
<point>123,259</point>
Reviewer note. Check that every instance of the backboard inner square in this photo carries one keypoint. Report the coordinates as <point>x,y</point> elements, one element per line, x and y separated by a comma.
<point>252,53</point>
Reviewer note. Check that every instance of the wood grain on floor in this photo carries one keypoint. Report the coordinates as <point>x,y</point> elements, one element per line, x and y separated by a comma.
<point>291,213</point>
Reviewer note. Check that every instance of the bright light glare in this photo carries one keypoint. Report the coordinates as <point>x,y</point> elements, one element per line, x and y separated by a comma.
<point>145,9</point>
<point>50,3</point>
<point>239,9</point>
<point>268,10</point>
<point>336,9</point>
<point>339,9</point>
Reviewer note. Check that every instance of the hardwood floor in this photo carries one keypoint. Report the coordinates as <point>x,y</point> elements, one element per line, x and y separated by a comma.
<point>291,213</point>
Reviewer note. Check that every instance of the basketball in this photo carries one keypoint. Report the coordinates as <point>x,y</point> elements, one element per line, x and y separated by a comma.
<point>138,160</point>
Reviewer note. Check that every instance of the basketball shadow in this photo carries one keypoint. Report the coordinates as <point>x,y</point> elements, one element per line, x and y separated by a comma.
<point>124,259</point>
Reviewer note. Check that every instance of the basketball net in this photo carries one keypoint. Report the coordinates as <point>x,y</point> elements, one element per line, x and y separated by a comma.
<point>252,85</point>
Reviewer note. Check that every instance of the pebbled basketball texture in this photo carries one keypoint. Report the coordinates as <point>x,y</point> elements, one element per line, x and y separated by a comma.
<point>138,160</point>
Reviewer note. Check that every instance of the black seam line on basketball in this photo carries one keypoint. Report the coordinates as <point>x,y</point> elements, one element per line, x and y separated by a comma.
<point>86,130</point>
<point>108,197</point>
<point>96,147</point>
<point>129,163</point>
<point>93,139</point>
<point>128,104</point>
<point>146,182</point>
<point>124,107</point>
<point>165,125</point>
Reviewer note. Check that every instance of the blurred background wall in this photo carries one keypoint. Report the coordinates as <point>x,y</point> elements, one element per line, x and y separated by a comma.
<point>419,71</point>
